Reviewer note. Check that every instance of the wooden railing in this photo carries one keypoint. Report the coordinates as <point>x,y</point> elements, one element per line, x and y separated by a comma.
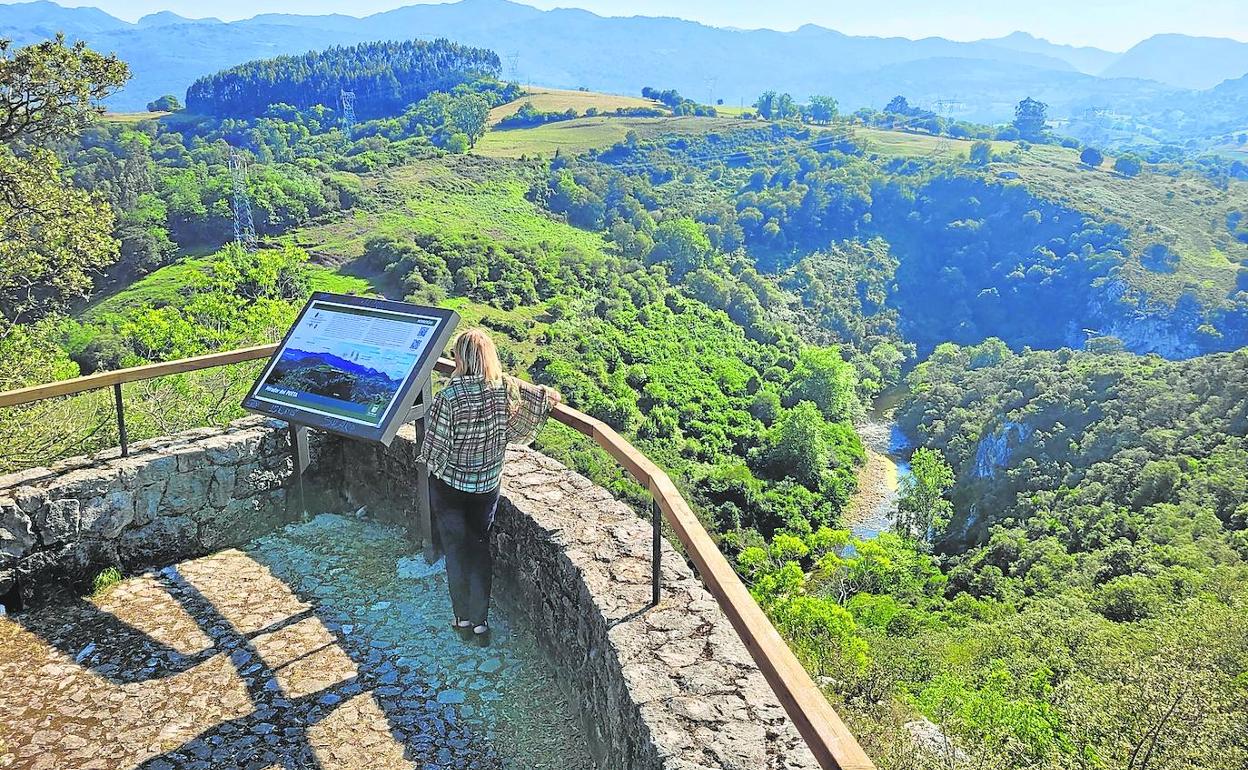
<point>827,736</point>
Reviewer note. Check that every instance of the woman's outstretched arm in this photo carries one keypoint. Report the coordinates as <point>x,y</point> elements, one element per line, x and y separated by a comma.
<point>529,411</point>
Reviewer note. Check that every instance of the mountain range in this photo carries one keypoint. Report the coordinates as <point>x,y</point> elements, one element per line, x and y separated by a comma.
<point>293,357</point>
<point>569,48</point>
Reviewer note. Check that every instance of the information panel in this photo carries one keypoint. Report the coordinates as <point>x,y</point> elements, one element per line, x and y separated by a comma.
<point>353,365</point>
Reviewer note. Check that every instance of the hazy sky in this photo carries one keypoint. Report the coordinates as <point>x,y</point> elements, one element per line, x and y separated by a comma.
<point>1113,24</point>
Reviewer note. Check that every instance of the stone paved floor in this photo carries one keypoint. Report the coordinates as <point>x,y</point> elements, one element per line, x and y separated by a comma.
<point>320,646</point>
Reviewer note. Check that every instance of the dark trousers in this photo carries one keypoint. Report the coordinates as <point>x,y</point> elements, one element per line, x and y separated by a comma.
<point>463,521</point>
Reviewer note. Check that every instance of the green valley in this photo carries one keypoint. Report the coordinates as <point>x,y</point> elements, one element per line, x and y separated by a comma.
<point>1063,583</point>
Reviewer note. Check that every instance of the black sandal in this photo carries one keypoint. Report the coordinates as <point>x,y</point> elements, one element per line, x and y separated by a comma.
<point>481,632</point>
<point>462,627</point>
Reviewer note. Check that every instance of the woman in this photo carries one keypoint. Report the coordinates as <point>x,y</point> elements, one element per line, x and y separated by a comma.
<point>471,421</point>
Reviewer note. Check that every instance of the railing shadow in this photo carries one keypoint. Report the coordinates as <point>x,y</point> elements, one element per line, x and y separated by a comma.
<point>107,646</point>
<point>291,723</point>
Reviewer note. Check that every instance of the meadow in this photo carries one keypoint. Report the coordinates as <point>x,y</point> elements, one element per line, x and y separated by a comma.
<point>561,100</point>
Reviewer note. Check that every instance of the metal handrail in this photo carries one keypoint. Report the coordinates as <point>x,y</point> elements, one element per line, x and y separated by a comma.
<point>829,740</point>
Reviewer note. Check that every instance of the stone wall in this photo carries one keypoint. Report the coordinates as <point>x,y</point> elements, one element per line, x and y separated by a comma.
<point>172,498</point>
<point>669,687</point>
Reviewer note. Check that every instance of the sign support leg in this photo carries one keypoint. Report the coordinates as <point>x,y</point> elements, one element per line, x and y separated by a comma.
<point>302,458</point>
<point>424,515</point>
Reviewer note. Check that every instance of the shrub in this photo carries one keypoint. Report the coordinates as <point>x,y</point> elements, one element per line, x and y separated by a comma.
<point>1091,157</point>
<point>981,153</point>
<point>1128,164</point>
<point>166,103</point>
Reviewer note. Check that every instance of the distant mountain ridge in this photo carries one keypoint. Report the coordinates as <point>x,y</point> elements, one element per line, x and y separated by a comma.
<point>573,48</point>
<point>1086,59</point>
<point>294,357</point>
<point>1188,62</point>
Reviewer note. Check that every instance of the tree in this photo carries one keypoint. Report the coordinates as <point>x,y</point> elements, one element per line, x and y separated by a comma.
<point>785,108</point>
<point>1128,164</point>
<point>468,115</point>
<point>166,103</point>
<point>981,153</point>
<point>898,106</point>
<point>822,109</point>
<point>51,90</point>
<point>1091,157</point>
<point>823,377</point>
<point>766,105</point>
<point>922,510</point>
<point>1030,117</point>
<point>799,445</point>
<point>53,236</point>
<point>681,243</point>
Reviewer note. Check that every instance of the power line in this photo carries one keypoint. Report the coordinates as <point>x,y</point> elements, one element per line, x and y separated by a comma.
<point>244,225</point>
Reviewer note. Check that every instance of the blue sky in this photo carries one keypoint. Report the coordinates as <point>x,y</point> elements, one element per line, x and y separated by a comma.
<point>1113,24</point>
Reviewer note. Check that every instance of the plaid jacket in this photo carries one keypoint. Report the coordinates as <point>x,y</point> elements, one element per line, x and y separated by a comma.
<point>470,425</point>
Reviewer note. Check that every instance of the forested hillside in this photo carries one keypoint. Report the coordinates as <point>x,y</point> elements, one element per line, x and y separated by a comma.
<point>1064,584</point>
<point>983,248</point>
<point>1097,554</point>
<point>384,77</point>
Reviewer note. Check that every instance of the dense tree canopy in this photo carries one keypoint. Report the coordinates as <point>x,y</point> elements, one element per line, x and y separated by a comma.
<point>52,89</point>
<point>53,236</point>
<point>384,77</point>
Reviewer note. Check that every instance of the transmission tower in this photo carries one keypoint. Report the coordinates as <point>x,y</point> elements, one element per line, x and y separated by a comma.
<point>943,108</point>
<point>244,226</point>
<point>513,66</point>
<point>348,110</point>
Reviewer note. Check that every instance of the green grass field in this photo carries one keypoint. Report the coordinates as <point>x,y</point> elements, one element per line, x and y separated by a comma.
<point>451,196</point>
<point>169,285</point>
<point>1184,211</point>
<point>584,134</point>
<point>560,100</point>
<point>132,117</point>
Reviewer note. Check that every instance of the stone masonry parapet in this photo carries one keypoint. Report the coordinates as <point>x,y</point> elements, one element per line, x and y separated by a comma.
<point>172,498</point>
<point>668,687</point>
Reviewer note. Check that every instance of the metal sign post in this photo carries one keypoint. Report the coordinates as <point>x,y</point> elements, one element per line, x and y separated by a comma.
<point>419,416</point>
<point>301,455</point>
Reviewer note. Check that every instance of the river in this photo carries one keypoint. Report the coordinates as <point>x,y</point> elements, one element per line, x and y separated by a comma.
<point>873,507</point>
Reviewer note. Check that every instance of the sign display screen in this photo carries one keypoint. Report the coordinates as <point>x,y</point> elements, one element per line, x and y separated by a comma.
<point>352,365</point>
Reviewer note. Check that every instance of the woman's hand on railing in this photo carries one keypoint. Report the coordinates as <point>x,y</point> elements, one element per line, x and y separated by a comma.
<point>553,396</point>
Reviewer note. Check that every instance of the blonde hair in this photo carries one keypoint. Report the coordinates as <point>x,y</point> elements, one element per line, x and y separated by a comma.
<point>476,356</point>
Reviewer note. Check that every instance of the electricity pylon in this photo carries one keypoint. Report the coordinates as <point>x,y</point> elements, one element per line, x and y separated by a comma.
<point>244,226</point>
<point>348,110</point>
<point>513,66</point>
<point>943,108</point>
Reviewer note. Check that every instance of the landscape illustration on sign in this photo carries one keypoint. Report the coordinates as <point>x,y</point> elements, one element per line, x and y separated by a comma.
<point>325,374</point>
